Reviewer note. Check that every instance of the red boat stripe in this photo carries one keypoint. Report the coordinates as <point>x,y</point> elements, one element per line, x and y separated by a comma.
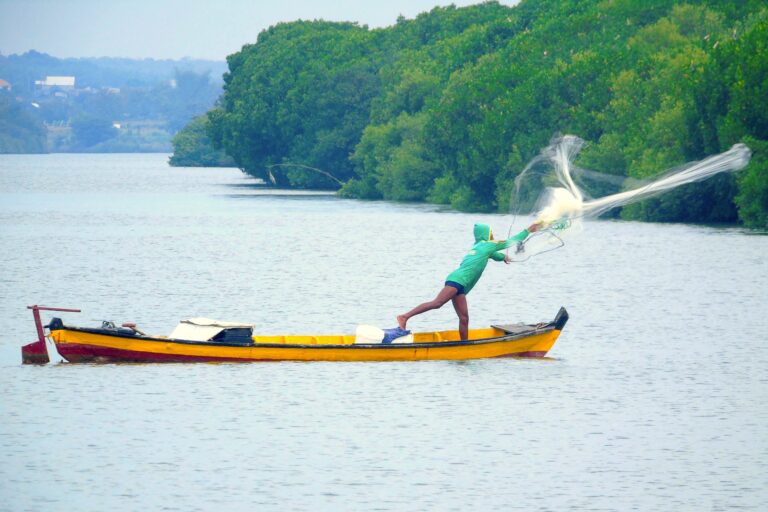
<point>535,353</point>
<point>77,353</point>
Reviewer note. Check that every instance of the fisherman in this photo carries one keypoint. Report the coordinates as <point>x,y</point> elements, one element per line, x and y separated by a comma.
<point>463,279</point>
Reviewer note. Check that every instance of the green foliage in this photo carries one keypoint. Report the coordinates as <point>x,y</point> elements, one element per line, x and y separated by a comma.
<point>450,106</point>
<point>735,107</point>
<point>89,131</point>
<point>364,188</point>
<point>136,137</point>
<point>21,131</point>
<point>447,190</point>
<point>753,187</point>
<point>192,147</point>
<point>300,95</point>
<point>393,159</point>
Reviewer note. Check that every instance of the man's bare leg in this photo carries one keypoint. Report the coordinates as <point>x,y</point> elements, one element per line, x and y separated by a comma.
<point>446,294</point>
<point>462,310</point>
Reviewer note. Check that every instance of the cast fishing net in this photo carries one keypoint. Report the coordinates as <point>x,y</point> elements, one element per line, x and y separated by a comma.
<point>557,192</point>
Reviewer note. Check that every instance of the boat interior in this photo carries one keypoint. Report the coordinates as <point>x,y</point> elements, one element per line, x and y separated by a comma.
<point>349,339</point>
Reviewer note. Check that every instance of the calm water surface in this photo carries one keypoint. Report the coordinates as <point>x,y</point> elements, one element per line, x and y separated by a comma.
<point>654,398</point>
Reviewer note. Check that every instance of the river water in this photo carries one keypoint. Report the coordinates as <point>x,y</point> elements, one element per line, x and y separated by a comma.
<point>654,397</point>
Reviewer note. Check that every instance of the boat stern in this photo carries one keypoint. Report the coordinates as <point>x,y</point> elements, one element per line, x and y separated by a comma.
<point>37,351</point>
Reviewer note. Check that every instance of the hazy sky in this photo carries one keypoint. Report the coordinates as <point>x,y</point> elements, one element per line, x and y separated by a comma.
<point>206,29</point>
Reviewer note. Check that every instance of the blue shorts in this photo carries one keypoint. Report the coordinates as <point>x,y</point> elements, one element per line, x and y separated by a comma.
<point>454,284</point>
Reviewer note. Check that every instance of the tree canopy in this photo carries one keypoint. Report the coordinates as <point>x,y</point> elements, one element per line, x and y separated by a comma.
<point>192,147</point>
<point>20,129</point>
<point>450,106</point>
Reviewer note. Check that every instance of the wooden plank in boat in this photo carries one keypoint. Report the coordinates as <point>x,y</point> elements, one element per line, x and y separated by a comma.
<point>519,328</point>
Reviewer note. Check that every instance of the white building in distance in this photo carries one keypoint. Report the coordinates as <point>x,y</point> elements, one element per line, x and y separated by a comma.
<point>62,82</point>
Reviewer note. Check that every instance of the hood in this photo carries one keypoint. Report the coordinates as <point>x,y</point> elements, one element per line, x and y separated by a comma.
<point>482,232</point>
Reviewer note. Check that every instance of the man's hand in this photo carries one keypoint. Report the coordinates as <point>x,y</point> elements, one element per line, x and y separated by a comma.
<point>534,227</point>
<point>507,259</point>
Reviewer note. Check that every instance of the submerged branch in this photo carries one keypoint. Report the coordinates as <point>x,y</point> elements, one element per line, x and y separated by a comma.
<point>326,173</point>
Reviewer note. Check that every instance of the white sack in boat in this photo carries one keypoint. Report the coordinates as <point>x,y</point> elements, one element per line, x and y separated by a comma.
<point>368,334</point>
<point>408,338</point>
<point>203,329</point>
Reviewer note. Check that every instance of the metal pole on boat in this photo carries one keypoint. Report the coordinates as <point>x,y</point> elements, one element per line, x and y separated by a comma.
<point>37,352</point>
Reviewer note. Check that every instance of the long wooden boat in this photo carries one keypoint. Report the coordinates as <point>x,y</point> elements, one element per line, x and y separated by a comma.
<point>127,344</point>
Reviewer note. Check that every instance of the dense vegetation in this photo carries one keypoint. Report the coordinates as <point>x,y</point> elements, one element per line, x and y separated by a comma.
<point>192,147</point>
<point>20,129</point>
<point>449,107</point>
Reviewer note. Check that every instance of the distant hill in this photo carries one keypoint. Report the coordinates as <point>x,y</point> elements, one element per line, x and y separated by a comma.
<point>21,71</point>
<point>101,104</point>
<point>20,130</point>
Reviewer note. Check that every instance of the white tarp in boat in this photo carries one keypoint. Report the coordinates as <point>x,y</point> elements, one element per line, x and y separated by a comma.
<point>368,334</point>
<point>408,338</point>
<point>203,329</point>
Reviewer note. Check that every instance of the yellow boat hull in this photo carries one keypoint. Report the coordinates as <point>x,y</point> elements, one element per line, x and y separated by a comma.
<point>88,345</point>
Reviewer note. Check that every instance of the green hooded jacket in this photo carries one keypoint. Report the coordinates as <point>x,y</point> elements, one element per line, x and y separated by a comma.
<point>474,262</point>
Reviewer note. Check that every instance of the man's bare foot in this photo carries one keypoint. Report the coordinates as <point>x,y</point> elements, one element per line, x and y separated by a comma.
<point>401,320</point>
